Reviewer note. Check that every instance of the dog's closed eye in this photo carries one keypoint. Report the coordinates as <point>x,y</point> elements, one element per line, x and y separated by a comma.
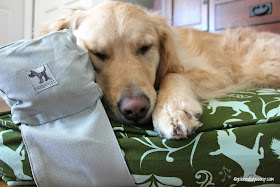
<point>144,49</point>
<point>101,56</point>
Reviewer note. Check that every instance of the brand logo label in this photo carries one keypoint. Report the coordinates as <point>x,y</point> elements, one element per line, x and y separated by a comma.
<point>41,78</point>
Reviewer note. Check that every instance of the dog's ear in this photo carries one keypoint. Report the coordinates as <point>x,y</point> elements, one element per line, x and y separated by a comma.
<point>168,55</point>
<point>69,21</point>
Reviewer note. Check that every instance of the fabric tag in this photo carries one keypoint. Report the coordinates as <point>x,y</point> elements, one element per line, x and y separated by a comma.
<point>41,78</point>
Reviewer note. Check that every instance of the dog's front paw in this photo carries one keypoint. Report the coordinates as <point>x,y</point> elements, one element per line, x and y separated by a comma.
<point>176,119</point>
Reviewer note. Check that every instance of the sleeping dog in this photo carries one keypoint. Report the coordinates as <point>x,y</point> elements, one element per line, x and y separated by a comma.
<point>135,53</point>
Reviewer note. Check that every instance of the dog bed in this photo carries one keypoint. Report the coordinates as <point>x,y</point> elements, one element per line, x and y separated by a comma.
<point>237,144</point>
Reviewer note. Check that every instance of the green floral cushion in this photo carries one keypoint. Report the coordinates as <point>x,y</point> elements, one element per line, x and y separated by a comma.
<point>238,144</point>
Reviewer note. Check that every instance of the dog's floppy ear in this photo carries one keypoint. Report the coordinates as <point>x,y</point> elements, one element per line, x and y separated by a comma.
<point>69,21</point>
<point>168,55</point>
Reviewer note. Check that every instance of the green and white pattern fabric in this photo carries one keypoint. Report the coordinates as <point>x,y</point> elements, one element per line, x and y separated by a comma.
<point>14,164</point>
<point>238,144</point>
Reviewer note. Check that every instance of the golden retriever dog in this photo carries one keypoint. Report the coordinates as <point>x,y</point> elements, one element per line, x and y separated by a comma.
<point>135,53</point>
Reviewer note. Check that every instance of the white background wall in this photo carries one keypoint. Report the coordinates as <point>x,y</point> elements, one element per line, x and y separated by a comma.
<point>18,18</point>
<point>15,20</point>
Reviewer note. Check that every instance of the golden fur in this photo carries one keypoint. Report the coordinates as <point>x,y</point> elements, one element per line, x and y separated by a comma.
<point>186,65</point>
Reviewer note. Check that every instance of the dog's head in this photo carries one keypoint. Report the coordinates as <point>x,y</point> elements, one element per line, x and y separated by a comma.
<point>131,50</point>
<point>32,74</point>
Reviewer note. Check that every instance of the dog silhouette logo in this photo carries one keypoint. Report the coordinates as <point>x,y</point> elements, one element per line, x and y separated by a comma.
<point>40,75</point>
<point>41,78</point>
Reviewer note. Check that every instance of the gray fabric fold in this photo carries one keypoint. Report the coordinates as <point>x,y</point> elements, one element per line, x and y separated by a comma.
<point>49,84</point>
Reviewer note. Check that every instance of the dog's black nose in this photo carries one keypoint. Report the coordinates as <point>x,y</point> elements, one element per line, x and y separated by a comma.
<point>134,108</point>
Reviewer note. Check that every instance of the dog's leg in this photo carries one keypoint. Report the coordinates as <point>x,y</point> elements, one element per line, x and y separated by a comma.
<point>238,111</point>
<point>178,108</point>
<point>256,147</point>
<point>40,77</point>
<point>44,74</point>
<point>215,152</point>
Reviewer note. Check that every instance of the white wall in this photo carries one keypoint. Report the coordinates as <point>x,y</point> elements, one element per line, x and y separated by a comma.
<point>15,20</point>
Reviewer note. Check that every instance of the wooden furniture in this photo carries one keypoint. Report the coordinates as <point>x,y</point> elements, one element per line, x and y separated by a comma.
<point>4,184</point>
<point>3,105</point>
<point>217,15</point>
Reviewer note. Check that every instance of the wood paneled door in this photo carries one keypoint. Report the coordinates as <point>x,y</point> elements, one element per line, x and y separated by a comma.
<point>185,13</point>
